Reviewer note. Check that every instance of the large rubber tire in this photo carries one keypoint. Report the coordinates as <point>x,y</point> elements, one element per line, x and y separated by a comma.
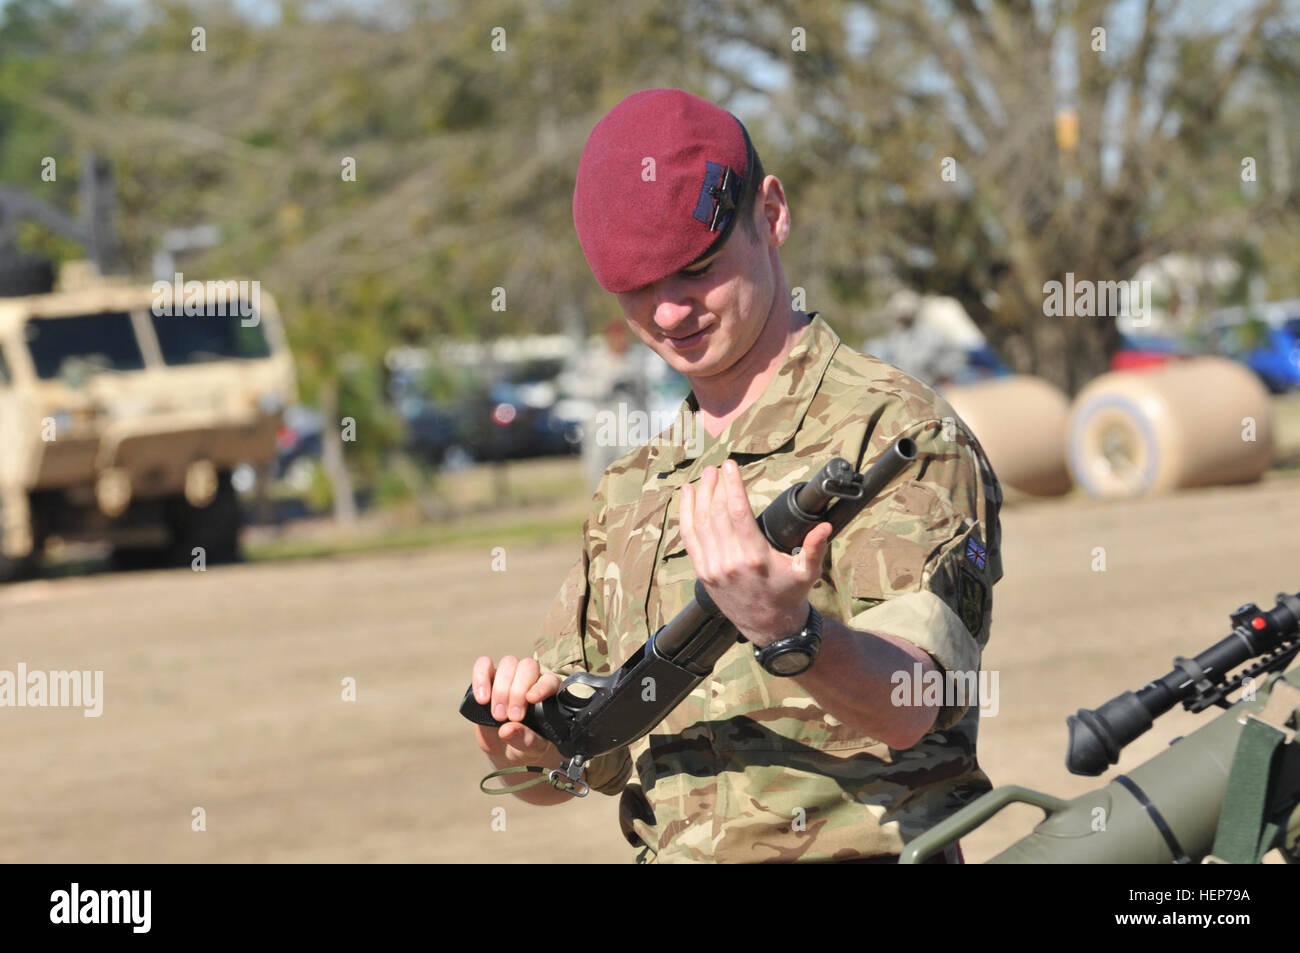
<point>1206,421</point>
<point>215,527</point>
<point>25,275</point>
<point>132,558</point>
<point>10,568</point>
<point>1020,422</point>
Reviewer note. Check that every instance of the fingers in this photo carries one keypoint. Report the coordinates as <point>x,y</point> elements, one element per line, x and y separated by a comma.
<point>501,687</point>
<point>718,527</point>
<point>706,557</point>
<point>482,680</point>
<point>807,563</point>
<point>526,674</point>
<point>519,744</point>
<point>743,524</point>
<point>520,739</point>
<point>546,686</point>
<point>508,689</point>
<point>513,743</point>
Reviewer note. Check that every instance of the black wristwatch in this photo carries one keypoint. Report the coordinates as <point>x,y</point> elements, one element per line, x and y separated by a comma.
<point>795,655</point>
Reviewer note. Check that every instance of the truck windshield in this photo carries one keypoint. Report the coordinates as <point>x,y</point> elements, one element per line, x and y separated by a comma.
<point>84,344</point>
<point>194,339</point>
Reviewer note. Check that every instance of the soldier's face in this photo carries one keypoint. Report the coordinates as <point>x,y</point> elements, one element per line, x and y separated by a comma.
<point>702,321</point>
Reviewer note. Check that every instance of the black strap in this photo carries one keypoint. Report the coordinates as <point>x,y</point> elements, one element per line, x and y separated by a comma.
<point>1156,818</point>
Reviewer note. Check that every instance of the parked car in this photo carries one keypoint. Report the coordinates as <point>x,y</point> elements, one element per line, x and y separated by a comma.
<point>1266,340</point>
<point>982,363</point>
<point>1145,351</point>
<point>298,446</point>
<point>518,416</point>
<point>518,420</point>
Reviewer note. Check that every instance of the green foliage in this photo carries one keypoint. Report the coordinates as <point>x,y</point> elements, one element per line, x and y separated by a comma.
<point>320,496</point>
<point>391,489</point>
<point>32,237</point>
<point>361,397</point>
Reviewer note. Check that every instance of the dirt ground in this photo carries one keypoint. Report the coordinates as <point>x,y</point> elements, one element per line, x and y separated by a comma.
<point>222,689</point>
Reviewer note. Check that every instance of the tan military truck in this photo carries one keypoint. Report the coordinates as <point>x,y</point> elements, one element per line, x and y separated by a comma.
<point>123,411</point>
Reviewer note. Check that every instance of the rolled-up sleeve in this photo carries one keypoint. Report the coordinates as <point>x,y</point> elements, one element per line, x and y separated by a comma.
<point>920,563</point>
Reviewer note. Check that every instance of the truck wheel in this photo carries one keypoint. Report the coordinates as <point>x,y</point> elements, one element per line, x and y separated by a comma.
<point>10,568</point>
<point>25,275</point>
<point>214,528</point>
<point>133,558</point>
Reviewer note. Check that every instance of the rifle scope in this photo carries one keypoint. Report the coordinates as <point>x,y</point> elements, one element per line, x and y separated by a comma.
<point>1098,735</point>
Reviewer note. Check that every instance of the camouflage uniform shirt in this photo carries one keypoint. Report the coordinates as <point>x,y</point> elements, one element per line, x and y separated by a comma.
<point>749,768</point>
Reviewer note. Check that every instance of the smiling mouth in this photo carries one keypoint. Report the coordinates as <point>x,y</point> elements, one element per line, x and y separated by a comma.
<point>689,339</point>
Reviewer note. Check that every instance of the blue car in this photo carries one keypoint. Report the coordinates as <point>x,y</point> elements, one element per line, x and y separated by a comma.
<point>1270,348</point>
<point>1279,363</point>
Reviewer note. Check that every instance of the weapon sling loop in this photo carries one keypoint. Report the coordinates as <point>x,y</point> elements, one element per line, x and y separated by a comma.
<point>554,777</point>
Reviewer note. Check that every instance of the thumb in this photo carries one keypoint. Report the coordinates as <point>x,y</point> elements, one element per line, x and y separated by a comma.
<point>808,562</point>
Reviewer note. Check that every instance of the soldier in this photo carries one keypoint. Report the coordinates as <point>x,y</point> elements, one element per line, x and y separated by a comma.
<point>918,348</point>
<point>845,758</point>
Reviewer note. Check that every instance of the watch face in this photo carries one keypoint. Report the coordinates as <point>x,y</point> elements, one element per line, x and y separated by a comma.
<point>789,663</point>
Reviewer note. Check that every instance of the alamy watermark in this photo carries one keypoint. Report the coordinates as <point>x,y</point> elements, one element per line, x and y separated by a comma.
<point>626,427</point>
<point>54,689</point>
<point>1088,299</point>
<point>77,906</point>
<point>178,297</point>
<point>947,689</point>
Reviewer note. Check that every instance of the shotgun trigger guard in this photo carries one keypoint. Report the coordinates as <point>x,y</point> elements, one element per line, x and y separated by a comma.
<point>601,686</point>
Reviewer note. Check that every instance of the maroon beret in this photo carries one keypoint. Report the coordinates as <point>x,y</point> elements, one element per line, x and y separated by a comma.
<point>657,186</point>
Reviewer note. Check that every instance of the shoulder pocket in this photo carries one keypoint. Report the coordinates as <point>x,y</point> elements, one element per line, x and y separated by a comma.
<point>886,550</point>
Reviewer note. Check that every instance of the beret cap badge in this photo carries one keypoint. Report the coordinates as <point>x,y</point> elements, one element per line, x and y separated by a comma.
<point>719,196</point>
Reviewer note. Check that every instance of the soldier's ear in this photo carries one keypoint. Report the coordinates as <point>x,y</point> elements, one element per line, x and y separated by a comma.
<point>775,211</point>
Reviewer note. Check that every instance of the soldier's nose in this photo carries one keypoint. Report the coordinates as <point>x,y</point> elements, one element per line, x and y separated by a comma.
<point>672,310</point>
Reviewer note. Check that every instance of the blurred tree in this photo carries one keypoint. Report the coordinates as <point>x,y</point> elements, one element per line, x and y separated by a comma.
<point>385,168</point>
<point>981,150</point>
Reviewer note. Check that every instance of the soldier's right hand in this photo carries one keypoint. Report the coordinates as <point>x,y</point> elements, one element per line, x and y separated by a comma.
<point>509,689</point>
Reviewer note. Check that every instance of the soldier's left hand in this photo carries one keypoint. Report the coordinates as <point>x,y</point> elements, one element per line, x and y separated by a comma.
<point>760,589</point>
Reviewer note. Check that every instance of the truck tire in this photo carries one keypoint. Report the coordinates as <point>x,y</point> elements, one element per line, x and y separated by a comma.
<point>213,528</point>
<point>25,275</point>
<point>133,558</point>
<point>21,568</point>
<point>10,569</point>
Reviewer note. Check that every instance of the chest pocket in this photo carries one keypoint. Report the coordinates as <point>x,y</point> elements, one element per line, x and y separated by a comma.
<point>746,708</point>
<point>633,531</point>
